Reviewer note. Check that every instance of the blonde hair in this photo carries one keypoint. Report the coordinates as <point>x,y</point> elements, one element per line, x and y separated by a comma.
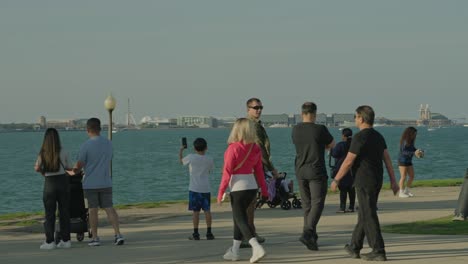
<point>243,131</point>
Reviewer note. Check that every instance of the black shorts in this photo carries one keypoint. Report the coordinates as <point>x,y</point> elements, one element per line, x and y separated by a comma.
<point>405,164</point>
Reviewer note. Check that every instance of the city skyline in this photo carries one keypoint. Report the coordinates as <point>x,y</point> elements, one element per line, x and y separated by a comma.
<point>61,59</point>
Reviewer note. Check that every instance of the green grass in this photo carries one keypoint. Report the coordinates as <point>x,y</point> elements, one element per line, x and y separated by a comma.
<point>439,226</point>
<point>432,183</point>
<point>146,205</point>
<point>21,223</point>
<point>14,216</point>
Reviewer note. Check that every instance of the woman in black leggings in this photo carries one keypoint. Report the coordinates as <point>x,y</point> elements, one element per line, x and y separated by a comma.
<point>51,163</point>
<point>243,173</point>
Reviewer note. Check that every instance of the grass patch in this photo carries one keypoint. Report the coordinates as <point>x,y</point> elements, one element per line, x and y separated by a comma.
<point>14,216</point>
<point>438,226</point>
<point>21,223</point>
<point>433,183</point>
<point>147,205</point>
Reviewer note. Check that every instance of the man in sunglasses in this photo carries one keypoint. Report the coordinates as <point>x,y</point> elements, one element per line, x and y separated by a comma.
<point>366,155</point>
<point>254,111</point>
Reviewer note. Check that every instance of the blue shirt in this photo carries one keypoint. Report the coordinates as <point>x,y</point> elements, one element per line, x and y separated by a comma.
<point>96,155</point>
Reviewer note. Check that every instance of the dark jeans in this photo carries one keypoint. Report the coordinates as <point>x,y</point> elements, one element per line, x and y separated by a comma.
<point>344,192</point>
<point>57,190</point>
<point>313,193</point>
<point>368,222</point>
<point>240,201</point>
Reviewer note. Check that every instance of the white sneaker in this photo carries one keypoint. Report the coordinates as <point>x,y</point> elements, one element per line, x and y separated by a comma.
<point>458,218</point>
<point>403,195</point>
<point>407,191</point>
<point>95,242</point>
<point>119,240</point>
<point>257,254</point>
<point>47,246</point>
<point>230,255</point>
<point>63,244</point>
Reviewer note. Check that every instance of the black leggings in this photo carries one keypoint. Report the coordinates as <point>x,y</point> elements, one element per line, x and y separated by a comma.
<point>344,191</point>
<point>57,190</point>
<point>240,201</point>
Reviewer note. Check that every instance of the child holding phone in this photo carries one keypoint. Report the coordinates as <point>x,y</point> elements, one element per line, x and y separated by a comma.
<point>200,167</point>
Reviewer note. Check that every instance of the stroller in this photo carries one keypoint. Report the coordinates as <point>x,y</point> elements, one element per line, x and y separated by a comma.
<point>278,195</point>
<point>78,212</point>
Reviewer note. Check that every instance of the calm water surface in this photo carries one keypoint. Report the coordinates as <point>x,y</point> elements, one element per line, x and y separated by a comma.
<point>146,166</point>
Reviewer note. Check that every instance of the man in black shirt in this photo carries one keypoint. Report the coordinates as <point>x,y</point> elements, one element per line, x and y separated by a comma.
<point>367,150</point>
<point>311,140</point>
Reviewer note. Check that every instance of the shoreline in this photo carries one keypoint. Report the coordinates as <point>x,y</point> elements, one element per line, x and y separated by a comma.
<point>25,218</point>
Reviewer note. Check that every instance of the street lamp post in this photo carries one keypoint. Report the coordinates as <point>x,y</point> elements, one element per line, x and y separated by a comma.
<point>110,103</point>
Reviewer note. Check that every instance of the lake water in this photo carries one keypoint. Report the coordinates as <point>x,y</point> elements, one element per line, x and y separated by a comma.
<point>146,166</point>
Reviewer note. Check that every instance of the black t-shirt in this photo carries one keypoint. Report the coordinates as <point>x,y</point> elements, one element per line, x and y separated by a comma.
<point>369,146</point>
<point>310,140</point>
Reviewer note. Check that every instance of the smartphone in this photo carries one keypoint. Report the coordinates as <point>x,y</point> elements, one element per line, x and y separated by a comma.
<point>184,142</point>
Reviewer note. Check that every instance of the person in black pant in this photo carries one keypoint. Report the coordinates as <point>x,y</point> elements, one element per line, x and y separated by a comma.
<point>52,163</point>
<point>346,184</point>
<point>367,150</point>
<point>311,140</point>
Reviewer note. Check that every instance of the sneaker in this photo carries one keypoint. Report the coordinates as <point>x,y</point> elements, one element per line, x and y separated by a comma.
<point>194,236</point>
<point>351,252</point>
<point>407,191</point>
<point>209,236</point>
<point>245,244</point>
<point>230,255</point>
<point>350,210</point>
<point>458,218</point>
<point>311,245</point>
<point>63,244</point>
<point>341,211</point>
<point>374,256</point>
<point>258,253</point>
<point>95,242</point>
<point>119,240</point>
<point>403,195</point>
<point>48,246</point>
<point>260,239</point>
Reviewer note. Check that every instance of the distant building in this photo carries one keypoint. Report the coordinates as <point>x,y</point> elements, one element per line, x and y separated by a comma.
<point>196,121</point>
<point>42,122</point>
<point>62,124</point>
<point>342,119</point>
<point>321,119</point>
<point>156,122</point>
<point>281,120</point>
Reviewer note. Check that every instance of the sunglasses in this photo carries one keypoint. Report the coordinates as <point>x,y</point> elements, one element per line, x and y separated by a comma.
<point>257,107</point>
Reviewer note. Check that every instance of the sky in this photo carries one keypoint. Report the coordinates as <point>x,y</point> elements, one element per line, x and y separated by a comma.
<point>62,58</point>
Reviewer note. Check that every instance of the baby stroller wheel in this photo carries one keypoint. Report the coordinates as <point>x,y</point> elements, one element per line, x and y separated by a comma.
<point>271,205</point>
<point>286,205</point>
<point>296,203</point>
<point>80,236</point>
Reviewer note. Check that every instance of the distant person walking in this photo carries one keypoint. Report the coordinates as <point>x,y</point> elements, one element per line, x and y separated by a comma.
<point>200,168</point>
<point>254,112</point>
<point>346,184</point>
<point>95,156</point>
<point>52,163</point>
<point>405,160</point>
<point>366,153</point>
<point>311,140</point>
<point>243,173</point>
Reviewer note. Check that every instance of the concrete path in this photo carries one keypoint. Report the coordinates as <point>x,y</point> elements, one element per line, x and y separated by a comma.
<point>160,236</point>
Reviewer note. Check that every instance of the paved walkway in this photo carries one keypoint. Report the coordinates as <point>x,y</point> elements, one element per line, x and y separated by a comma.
<point>160,236</point>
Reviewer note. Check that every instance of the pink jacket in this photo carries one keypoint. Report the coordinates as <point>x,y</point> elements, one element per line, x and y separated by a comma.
<point>234,155</point>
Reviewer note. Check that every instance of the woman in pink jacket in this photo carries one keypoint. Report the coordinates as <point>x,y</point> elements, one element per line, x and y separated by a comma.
<point>243,173</point>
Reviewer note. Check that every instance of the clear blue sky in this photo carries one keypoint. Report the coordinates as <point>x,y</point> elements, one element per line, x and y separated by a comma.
<point>62,58</point>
